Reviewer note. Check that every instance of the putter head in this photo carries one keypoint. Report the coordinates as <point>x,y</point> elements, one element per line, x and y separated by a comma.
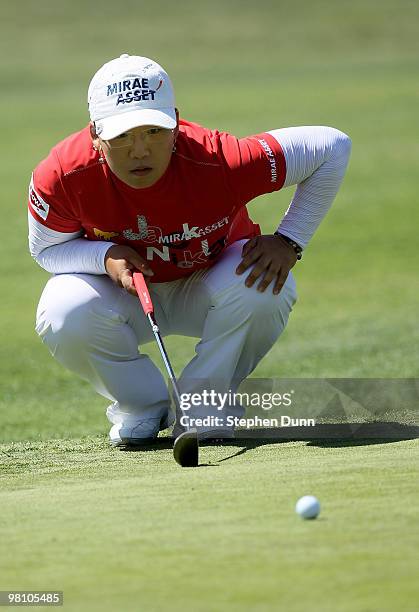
<point>186,449</point>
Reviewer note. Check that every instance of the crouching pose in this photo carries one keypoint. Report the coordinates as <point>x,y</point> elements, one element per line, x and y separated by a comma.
<point>141,189</point>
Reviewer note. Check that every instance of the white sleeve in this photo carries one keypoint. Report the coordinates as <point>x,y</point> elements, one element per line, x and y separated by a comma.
<point>316,160</point>
<point>61,252</point>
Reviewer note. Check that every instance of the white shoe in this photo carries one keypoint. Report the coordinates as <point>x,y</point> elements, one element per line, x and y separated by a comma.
<point>134,435</point>
<point>132,432</point>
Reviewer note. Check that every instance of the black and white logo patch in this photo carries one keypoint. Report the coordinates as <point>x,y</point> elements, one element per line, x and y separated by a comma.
<point>38,204</point>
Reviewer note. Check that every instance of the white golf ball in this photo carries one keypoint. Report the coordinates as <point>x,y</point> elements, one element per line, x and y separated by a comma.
<point>308,507</point>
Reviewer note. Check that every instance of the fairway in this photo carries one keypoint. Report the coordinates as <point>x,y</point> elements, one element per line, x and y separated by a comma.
<point>132,531</point>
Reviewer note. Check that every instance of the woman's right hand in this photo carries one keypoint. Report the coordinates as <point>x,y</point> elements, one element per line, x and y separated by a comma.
<point>121,261</point>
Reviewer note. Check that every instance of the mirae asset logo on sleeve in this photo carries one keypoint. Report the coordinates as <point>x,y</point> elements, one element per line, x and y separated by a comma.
<point>271,159</point>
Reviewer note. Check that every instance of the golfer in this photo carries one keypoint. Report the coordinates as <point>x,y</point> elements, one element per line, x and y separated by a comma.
<point>141,189</point>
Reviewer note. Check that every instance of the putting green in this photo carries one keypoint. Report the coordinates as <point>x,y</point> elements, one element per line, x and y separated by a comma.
<point>132,530</point>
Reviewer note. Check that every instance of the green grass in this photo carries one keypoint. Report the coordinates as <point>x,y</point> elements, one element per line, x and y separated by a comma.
<point>132,530</point>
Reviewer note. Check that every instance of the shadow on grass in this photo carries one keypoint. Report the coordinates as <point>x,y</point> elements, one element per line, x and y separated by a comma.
<point>333,434</point>
<point>154,445</point>
<point>320,435</point>
<point>240,452</point>
<point>326,436</point>
<point>165,443</point>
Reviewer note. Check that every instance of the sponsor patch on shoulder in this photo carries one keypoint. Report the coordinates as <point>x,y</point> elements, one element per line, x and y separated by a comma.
<point>38,204</point>
<point>271,159</point>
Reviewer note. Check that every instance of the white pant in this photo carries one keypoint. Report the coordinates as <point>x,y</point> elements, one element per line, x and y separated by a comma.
<point>94,328</point>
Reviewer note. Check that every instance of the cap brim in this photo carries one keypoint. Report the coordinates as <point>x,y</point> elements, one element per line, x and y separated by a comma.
<point>110,127</point>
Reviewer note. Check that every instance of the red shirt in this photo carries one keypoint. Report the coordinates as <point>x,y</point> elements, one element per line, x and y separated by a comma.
<point>179,224</point>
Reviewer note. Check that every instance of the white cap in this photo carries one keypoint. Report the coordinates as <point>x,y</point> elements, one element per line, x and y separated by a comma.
<point>130,91</point>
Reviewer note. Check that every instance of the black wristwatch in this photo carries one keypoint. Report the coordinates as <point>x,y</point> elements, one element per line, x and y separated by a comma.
<point>298,250</point>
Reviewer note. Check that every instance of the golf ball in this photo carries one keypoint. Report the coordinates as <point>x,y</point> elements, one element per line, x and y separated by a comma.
<point>308,507</point>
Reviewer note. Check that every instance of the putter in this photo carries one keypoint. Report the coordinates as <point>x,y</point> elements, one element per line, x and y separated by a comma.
<point>186,447</point>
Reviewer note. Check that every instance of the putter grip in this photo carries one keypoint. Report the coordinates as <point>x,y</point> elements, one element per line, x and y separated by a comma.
<point>143,293</point>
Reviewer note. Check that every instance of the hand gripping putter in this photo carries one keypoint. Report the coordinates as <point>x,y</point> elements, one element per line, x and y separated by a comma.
<point>185,448</point>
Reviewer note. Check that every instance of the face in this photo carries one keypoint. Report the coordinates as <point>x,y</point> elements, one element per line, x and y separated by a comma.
<point>140,156</point>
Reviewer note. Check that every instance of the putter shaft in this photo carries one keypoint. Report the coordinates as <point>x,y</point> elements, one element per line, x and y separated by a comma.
<point>160,344</point>
<point>186,446</point>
